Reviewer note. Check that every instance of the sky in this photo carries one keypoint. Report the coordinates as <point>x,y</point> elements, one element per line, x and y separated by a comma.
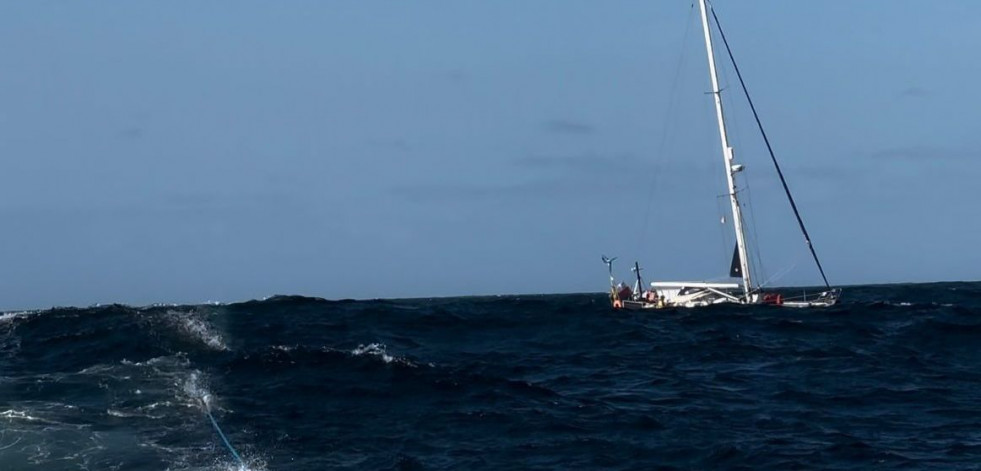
<point>182,152</point>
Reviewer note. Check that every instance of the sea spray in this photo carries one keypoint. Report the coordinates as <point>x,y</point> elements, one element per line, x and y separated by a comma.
<point>194,325</point>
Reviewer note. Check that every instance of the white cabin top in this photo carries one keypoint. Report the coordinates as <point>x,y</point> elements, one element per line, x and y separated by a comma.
<point>692,284</point>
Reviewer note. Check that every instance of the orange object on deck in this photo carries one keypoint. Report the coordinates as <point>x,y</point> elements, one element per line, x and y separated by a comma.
<point>773,298</point>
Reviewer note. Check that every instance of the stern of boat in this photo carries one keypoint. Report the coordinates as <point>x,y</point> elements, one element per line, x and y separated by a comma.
<point>824,299</point>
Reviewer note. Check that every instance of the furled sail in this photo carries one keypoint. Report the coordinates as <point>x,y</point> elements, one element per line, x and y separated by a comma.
<point>735,270</point>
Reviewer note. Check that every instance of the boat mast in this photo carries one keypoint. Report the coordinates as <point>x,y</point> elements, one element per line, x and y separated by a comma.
<point>731,168</point>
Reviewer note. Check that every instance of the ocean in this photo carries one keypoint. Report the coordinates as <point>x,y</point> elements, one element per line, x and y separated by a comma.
<point>888,379</point>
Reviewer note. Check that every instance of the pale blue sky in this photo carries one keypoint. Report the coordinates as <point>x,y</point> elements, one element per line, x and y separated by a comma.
<point>193,151</point>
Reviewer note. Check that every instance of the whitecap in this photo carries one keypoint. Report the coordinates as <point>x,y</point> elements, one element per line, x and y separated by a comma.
<point>191,324</point>
<point>179,360</point>
<point>97,370</point>
<point>116,413</point>
<point>16,414</point>
<point>156,405</point>
<point>124,414</point>
<point>376,349</point>
<point>379,350</point>
<point>11,316</point>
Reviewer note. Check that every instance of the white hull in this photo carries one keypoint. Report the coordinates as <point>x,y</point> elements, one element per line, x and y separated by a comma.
<point>709,295</point>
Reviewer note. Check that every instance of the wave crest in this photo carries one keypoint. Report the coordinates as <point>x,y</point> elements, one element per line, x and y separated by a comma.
<point>191,324</point>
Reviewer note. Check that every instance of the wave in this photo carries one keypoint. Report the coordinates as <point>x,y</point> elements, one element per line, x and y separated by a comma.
<point>195,327</point>
<point>10,317</point>
<point>561,382</point>
<point>299,355</point>
<point>379,350</point>
<point>18,415</point>
<point>281,300</point>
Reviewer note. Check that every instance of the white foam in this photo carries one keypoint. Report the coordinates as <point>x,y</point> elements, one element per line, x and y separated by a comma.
<point>179,360</point>
<point>198,394</point>
<point>191,324</point>
<point>252,464</point>
<point>380,350</point>
<point>98,370</point>
<point>376,349</point>
<point>10,316</point>
<point>156,405</point>
<point>16,414</point>
<point>141,413</point>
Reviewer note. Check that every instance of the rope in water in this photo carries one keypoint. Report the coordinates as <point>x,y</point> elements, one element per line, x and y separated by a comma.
<point>207,410</point>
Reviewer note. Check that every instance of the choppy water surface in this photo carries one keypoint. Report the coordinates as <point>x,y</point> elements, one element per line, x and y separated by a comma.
<point>890,379</point>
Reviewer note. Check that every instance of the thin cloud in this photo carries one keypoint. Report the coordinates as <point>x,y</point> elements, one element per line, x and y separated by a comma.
<point>538,189</point>
<point>231,202</point>
<point>457,76</point>
<point>924,153</point>
<point>821,172</point>
<point>131,133</point>
<point>583,162</point>
<point>389,144</point>
<point>200,204</point>
<point>563,126</point>
<point>913,92</point>
<point>614,164</point>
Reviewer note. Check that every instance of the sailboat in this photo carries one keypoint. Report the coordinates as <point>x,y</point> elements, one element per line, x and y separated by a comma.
<point>674,294</point>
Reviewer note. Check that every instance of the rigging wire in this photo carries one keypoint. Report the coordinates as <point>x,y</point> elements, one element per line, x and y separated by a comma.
<point>735,135</point>
<point>782,273</point>
<point>769,148</point>
<point>682,57</point>
<point>754,233</point>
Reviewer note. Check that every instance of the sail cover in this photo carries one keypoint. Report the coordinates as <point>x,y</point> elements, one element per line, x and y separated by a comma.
<point>735,269</point>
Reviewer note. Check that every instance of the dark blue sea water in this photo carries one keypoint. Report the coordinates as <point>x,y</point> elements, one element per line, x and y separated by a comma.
<point>890,379</point>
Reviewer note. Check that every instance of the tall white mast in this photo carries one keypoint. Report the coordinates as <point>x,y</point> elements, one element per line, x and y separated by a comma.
<point>731,168</point>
